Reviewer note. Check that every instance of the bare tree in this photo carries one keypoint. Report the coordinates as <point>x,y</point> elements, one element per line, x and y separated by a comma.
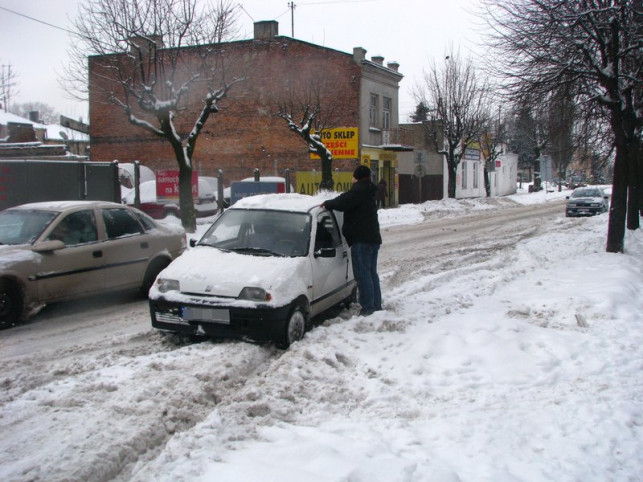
<point>8,82</point>
<point>148,57</point>
<point>46,113</point>
<point>457,100</point>
<point>595,47</point>
<point>492,143</point>
<point>308,109</point>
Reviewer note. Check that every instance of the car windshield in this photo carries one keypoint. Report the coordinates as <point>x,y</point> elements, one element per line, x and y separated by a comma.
<point>260,232</point>
<point>23,226</point>
<point>587,193</point>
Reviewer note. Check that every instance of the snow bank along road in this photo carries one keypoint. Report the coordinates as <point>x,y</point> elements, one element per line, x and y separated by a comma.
<point>90,392</point>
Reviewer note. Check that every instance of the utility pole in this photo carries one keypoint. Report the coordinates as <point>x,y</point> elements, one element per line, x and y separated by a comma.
<point>292,6</point>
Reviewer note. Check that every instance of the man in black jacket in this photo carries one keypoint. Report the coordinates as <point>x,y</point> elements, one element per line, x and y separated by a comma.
<point>362,232</point>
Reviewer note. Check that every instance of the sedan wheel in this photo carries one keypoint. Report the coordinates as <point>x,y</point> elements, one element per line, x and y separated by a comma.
<point>11,305</point>
<point>295,328</point>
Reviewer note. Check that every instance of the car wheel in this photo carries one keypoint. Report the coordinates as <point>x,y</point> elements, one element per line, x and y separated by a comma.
<point>150,275</point>
<point>294,328</point>
<point>11,304</point>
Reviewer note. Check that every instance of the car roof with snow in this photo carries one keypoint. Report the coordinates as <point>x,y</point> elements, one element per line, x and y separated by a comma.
<point>63,205</point>
<point>293,202</point>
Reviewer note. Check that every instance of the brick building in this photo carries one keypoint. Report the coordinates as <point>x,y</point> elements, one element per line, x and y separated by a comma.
<point>247,133</point>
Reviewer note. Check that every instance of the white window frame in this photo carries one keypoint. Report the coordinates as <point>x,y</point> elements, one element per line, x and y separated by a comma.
<point>387,107</point>
<point>373,116</point>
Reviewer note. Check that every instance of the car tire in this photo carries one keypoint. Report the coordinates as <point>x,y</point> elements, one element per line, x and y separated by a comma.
<point>152,272</point>
<point>294,328</point>
<point>11,304</point>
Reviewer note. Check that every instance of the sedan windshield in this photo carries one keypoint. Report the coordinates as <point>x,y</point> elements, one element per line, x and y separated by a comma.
<point>260,232</point>
<point>23,227</point>
<point>587,193</point>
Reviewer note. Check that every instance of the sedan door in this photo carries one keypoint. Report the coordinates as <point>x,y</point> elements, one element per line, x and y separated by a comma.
<point>127,249</point>
<point>77,268</point>
<point>330,264</point>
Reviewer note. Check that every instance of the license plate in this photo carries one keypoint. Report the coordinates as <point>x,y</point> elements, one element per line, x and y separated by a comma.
<point>214,315</point>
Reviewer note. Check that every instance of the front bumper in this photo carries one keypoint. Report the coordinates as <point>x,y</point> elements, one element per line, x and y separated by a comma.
<point>583,210</point>
<point>258,324</point>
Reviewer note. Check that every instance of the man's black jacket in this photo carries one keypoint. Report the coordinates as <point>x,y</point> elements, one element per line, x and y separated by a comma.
<point>360,213</point>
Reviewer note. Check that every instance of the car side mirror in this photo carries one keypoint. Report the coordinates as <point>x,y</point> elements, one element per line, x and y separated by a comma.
<point>193,243</point>
<point>50,245</point>
<point>326,253</point>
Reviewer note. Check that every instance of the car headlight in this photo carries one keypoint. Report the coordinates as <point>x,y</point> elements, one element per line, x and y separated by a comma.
<point>164,285</point>
<point>254,294</point>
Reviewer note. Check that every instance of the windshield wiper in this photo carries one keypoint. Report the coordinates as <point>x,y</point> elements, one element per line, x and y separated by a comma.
<point>255,250</point>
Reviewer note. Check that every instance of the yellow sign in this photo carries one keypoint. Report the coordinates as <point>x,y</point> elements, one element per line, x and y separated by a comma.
<point>308,182</point>
<point>343,142</point>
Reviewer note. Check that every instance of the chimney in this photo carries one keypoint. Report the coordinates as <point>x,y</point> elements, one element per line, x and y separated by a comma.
<point>33,116</point>
<point>266,30</point>
<point>145,43</point>
<point>393,66</point>
<point>378,59</point>
<point>359,54</point>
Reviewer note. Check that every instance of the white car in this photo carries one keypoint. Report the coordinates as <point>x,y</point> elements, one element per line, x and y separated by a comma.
<point>265,267</point>
<point>58,250</point>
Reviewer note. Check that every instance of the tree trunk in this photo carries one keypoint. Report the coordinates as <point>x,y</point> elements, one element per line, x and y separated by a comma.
<point>635,194</point>
<point>618,204</point>
<point>487,183</point>
<point>452,170</point>
<point>327,182</point>
<point>186,201</point>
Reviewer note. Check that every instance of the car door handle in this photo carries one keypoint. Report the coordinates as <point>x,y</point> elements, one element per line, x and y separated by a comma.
<point>97,254</point>
<point>145,245</point>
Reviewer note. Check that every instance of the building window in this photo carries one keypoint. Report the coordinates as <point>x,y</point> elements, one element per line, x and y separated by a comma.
<point>464,175</point>
<point>386,114</point>
<point>475,174</point>
<point>373,117</point>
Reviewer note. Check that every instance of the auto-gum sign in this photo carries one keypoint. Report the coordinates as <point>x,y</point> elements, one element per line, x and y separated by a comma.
<point>343,142</point>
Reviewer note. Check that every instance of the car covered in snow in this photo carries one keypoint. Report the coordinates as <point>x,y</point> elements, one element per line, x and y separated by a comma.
<point>587,201</point>
<point>262,271</point>
<point>58,250</point>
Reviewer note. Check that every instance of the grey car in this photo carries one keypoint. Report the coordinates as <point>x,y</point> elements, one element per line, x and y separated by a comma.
<point>51,251</point>
<point>587,201</point>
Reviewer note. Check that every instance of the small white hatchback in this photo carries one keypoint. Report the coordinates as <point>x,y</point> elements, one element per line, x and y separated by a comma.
<point>263,270</point>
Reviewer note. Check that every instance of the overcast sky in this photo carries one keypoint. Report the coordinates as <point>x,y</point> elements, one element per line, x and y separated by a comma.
<point>410,32</point>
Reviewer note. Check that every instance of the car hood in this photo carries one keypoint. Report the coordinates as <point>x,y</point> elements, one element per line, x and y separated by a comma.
<point>211,272</point>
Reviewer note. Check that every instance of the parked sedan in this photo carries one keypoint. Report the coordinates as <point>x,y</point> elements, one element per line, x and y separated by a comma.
<point>587,201</point>
<point>59,250</point>
<point>265,267</point>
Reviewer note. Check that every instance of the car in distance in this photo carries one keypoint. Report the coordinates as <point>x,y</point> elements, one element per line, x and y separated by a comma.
<point>205,204</point>
<point>262,271</point>
<point>52,251</point>
<point>587,201</point>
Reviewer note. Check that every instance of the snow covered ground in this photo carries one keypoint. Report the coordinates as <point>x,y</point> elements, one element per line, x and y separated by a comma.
<point>525,366</point>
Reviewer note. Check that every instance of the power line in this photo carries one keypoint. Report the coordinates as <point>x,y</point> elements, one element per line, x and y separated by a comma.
<point>35,19</point>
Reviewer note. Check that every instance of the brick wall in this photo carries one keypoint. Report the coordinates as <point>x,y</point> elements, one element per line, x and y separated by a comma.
<point>246,133</point>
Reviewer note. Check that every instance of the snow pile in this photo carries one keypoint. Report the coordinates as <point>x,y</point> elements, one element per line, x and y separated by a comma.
<point>510,364</point>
